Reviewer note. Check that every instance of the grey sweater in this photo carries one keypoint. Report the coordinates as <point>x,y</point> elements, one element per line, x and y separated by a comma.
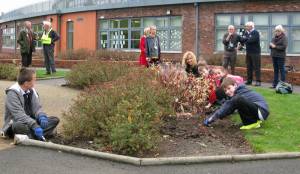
<point>14,108</point>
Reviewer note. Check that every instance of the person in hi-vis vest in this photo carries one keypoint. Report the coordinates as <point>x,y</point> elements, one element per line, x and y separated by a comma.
<point>48,38</point>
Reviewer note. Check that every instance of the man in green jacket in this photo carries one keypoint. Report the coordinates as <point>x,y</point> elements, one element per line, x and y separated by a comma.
<point>26,41</point>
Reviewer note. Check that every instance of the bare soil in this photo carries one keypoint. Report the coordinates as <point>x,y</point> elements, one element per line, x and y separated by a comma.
<point>186,136</point>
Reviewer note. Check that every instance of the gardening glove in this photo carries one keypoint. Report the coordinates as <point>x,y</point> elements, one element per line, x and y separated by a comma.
<point>209,120</point>
<point>43,120</point>
<point>38,132</point>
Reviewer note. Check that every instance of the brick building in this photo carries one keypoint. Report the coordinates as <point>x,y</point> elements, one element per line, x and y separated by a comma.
<point>196,25</point>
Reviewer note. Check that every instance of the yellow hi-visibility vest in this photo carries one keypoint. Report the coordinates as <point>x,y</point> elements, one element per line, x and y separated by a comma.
<point>46,40</point>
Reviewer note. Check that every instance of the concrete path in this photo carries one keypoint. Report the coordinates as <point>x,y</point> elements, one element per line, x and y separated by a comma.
<point>55,99</point>
<point>28,160</point>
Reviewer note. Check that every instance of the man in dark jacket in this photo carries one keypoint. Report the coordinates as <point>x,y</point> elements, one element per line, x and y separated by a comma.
<point>230,41</point>
<point>23,111</point>
<point>251,106</point>
<point>26,41</point>
<point>253,59</point>
<point>49,38</point>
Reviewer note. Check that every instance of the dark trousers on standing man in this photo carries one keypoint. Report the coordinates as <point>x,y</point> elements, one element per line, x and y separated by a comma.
<point>278,65</point>
<point>49,58</point>
<point>26,59</point>
<point>253,64</point>
<point>229,60</point>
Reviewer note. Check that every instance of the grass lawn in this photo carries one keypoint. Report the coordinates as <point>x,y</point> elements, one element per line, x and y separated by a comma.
<point>280,132</point>
<point>41,73</point>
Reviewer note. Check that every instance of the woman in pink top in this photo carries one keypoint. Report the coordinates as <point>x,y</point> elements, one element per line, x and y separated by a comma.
<point>142,59</point>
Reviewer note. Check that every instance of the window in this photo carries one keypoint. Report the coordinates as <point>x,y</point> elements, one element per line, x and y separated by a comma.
<point>38,29</point>
<point>126,33</point>
<point>264,24</point>
<point>70,32</point>
<point>8,38</point>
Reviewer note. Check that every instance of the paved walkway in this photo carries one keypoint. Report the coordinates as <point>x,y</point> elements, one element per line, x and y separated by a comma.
<point>28,160</point>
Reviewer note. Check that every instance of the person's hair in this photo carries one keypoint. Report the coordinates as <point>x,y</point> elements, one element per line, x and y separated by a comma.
<point>185,57</point>
<point>47,23</point>
<point>279,28</point>
<point>227,82</point>
<point>250,23</point>
<point>146,30</point>
<point>153,27</point>
<point>202,65</point>
<point>26,22</point>
<point>25,75</point>
<point>230,26</point>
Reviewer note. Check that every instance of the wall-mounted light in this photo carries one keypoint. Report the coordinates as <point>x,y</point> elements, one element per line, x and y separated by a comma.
<point>101,17</point>
<point>69,20</point>
<point>168,12</point>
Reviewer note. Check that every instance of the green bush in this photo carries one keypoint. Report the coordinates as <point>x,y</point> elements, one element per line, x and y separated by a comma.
<point>124,114</point>
<point>8,71</point>
<point>93,72</point>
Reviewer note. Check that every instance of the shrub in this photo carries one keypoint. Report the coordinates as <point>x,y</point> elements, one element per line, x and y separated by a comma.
<point>78,54</point>
<point>123,114</point>
<point>93,72</point>
<point>190,93</point>
<point>116,55</point>
<point>8,71</point>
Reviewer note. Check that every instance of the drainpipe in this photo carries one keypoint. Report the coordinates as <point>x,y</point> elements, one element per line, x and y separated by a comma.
<point>59,29</point>
<point>15,50</point>
<point>197,49</point>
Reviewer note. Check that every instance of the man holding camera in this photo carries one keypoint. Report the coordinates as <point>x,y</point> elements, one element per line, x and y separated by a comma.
<point>230,41</point>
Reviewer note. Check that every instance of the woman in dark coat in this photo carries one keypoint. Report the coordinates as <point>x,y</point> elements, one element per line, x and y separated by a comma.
<point>278,52</point>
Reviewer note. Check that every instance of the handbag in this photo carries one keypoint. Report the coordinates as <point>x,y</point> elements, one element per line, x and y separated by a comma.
<point>284,88</point>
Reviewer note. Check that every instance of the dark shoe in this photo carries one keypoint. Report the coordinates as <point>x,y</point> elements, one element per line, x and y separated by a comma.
<point>47,73</point>
<point>257,84</point>
<point>248,83</point>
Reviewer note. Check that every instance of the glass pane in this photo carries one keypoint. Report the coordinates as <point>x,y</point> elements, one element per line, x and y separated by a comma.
<point>123,44</point>
<point>175,34</point>
<point>123,34</point>
<point>223,20</point>
<point>136,23</point>
<point>263,33</point>
<point>296,34</point>
<point>261,19</point>
<point>176,21</point>
<point>220,33</point>
<point>114,43</point>
<point>124,23</point>
<point>163,37</point>
<point>175,45</point>
<point>296,47</point>
<point>103,39</point>
<point>135,44</point>
<point>135,35</point>
<point>237,20</point>
<point>114,35</point>
<point>103,24</point>
<point>114,23</point>
<point>149,22</point>
<point>162,22</point>
<point>279,19</point>
<point>264,46</point>
<point>220,46</point>
<point>296,19</point>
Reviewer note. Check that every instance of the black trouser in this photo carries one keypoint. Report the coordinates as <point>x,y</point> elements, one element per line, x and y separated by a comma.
<point>229,60</point>
<point>49,58</point>
<point>278,65</point>
<point>248,110</point>
<point>21,128</point>
<point>253,63</point>
<point>26,59</point>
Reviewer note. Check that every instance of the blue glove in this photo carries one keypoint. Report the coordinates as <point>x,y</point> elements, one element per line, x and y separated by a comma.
<point>208,121</point>
<point>38,132</point>
<point>43,120</point>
